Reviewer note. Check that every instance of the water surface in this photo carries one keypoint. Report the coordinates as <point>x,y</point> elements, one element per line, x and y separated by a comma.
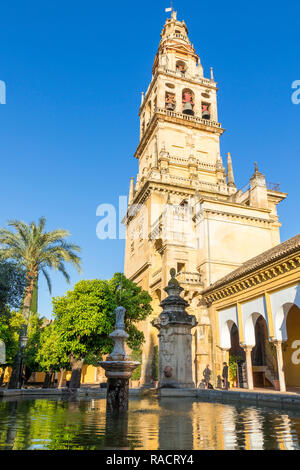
<point>165,424</point>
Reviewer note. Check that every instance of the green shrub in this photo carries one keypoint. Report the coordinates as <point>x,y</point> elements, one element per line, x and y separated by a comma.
<point>233,360</point>
<point>136,356</point>
<point>154,365</point>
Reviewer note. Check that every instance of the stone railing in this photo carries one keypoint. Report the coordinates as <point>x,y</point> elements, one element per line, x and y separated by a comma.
<point>200,185</point>
<point>270,186</point>
<point>273,186</point>
<point>175,36</point>
<point>184,277</point>
<point>188,117</point>
<point>185,161</point>
<point>188,76</point>
<point>245,188</point>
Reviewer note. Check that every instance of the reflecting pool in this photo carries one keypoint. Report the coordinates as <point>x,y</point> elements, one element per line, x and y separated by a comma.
<point>167,423</point>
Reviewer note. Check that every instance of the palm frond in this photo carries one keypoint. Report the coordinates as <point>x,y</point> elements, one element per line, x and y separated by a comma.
<point>42,223</point>
<point>36,249</point>
<point>62,269</point>
<point>46,274</point>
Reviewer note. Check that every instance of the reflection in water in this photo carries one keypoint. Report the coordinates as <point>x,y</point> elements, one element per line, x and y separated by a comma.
<point>175,424</point>
<point>168,423</point>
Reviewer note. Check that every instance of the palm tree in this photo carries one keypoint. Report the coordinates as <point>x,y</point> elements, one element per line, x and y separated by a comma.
<point>36,250</point>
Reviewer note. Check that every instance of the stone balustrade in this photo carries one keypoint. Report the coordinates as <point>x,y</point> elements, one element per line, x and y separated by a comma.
<point>188,117</point>
<point>185,277</point>
<point>186,75</point>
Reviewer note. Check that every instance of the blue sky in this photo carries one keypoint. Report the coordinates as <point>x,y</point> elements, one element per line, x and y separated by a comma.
<point>74,73</point>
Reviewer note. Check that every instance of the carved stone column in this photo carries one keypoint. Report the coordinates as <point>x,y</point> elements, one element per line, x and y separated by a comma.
<point>248,350</point>
<point>281,376</point>
<point>175,339</point>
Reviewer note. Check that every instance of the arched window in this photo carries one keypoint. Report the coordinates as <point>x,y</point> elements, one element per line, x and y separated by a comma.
<point>188,102</point>
<point>205,108</point>
<point>170,101</point>
<point>181,67</point>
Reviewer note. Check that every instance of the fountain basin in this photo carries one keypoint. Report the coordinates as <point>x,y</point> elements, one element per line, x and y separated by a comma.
<point>119,369</point>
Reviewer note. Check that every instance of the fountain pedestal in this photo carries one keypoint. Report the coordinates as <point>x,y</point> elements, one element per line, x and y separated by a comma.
<point>118,367</point>
<point>175,339</point>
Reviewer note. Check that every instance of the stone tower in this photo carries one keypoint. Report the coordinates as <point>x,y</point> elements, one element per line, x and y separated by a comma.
<point>185,211</point>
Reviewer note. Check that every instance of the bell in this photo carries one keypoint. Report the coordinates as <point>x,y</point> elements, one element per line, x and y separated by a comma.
<point>187,109</point>
<point>170,106</point>
<point>205,114</point>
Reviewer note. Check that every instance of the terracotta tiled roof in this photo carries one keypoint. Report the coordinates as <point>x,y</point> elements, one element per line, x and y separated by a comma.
<point>267,257</point>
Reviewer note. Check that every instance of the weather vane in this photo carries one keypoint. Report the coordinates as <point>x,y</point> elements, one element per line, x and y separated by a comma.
<point>170,8</point>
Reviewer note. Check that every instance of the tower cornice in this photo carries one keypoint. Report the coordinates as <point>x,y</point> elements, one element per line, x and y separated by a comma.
<point>193,122</point>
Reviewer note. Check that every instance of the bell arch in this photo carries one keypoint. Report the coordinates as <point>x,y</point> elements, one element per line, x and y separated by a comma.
<point>188,101</point>
<point>181,66</point>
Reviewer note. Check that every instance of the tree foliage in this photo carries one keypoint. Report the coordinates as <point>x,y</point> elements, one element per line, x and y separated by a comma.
<point>35,328</point>
<point>51,354</point>
<point>10,326</point>
<point>12,285</point>
<point>36,250</point>
<point>84,316</point>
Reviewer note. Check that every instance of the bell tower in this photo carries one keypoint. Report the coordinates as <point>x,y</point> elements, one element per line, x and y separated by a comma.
<point>185,211</point>
<point>179,125</point>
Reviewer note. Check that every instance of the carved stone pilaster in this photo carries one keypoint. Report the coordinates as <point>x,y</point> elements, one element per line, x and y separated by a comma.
<point>175,339</point>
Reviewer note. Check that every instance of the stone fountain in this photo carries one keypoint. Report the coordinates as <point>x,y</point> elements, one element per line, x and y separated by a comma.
<point>175,339</point>
<point>118,367</point>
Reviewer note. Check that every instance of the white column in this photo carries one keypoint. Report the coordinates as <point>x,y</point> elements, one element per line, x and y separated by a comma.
<point>278,345</point>
<point>224,354</point>
<point>248,350</point>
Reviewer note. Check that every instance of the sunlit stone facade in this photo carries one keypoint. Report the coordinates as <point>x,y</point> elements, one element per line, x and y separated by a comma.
<point>184,210</point>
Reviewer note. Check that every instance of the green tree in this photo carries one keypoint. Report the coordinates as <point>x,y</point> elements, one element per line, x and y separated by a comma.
<point>11,323</point>
<point>37,251</point>
<point>12,285</point>
<point>155,364</point>
<point>137,356</point>
<point>84,317</point>
<point>35,328</point>
<point>51,355</point>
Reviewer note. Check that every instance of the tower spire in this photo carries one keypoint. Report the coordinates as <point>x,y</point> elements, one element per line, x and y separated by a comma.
<point>230,177</point>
